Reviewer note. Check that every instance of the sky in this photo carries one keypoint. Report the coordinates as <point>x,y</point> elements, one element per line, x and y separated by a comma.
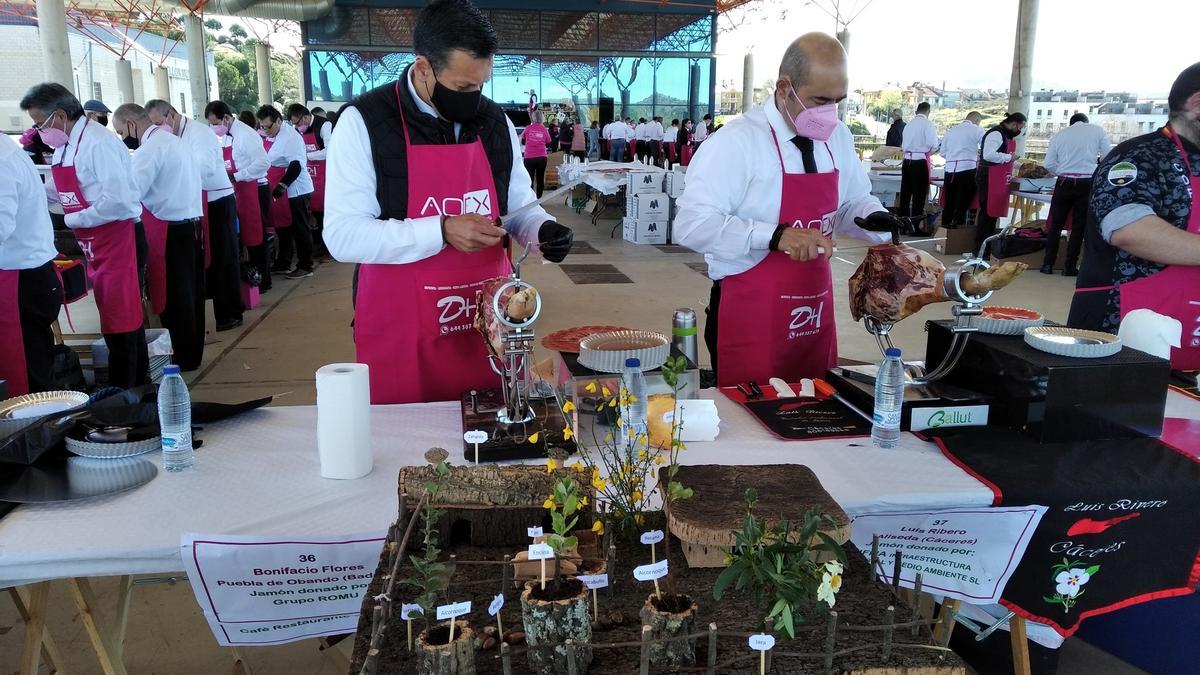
<point>1115,45</point>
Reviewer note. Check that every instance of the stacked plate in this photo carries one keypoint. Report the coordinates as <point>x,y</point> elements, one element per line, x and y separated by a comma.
<point>1007,320</point>
<point>1072,342</point>
<point>114,450</point>
<point>21,411</point>
<point>607,352</point>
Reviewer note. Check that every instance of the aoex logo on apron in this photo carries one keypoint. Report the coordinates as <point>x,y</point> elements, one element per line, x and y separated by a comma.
<point>68,199</point>
<point>476,201</point>
<point>824,224</point>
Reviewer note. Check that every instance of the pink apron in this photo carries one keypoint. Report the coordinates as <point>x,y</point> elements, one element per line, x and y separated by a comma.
<point>776,318</point>
<point>245,192</point>
<point>997,183</point>
<point>111,253</point>
<point>316,169</point>
<point>12,339</point>
<point>156,260</point>
<point>942,192</point>
<point>279,212</point>
<point>413,322</point>
<point>1174,291</point>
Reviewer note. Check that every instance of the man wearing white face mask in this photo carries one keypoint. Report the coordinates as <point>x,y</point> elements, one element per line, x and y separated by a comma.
<point>763,201</point>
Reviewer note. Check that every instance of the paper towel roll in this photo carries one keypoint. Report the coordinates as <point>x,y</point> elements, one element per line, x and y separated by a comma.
<point>1150,332</point>
<point>344,420</point>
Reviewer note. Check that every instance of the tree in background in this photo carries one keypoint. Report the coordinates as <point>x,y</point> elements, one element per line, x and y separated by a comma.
<point>237,73</point>
<point>881,106</point>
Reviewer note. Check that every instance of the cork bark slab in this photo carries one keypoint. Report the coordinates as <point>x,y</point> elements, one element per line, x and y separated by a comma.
<point>705,523</point>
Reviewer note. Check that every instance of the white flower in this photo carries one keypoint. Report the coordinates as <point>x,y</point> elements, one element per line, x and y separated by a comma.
<point>1070,581</point>
<point>831,583</point>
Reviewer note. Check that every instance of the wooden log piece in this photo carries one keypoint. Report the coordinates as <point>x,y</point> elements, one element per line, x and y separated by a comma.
<point>553,623</point>
<point>665,625</point>
<point>432,659</point>
<point>706,522</point>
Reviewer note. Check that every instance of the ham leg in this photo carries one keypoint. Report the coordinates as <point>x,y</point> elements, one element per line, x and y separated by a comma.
<point>895,281</point>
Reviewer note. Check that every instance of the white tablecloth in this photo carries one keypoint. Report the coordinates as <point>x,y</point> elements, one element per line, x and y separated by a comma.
<point>258,475</point>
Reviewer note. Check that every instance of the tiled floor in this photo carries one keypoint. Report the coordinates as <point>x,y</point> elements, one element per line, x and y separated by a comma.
<point>306,324</point>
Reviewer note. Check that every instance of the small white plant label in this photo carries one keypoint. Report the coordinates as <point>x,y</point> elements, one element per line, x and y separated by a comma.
<point>540,552</point>
<point>652,537</point>
<point>650,572</point>
<point>594,581</point>
<point>497,604</point>
<point>762,642</point>
<point>476,436</point>
<point>453,610</point>
<point>409,612</point>
<point>534,531</point>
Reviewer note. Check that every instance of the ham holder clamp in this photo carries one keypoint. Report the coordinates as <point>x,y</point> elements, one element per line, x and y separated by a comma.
<point>523,405</point>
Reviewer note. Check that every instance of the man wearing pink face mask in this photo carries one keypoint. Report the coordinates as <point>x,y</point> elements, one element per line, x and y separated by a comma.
<point>763,201</point>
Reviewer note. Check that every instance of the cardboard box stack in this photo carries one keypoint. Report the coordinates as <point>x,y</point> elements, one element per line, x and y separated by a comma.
<point>647,209</point>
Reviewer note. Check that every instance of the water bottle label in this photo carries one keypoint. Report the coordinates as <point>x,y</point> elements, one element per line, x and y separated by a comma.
<point>887,419</point>
<point>177,442</point>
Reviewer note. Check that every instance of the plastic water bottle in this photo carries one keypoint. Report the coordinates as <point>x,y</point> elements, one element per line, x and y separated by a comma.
<point>175,420</point>
<point>633,415</point>
<point>889,400</point>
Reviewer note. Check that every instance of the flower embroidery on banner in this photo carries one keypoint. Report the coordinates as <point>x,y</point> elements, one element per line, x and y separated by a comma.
<point>1069,580</point>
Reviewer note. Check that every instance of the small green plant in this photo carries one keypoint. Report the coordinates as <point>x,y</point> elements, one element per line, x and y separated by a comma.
<point>564,503</point>
<point>778,565</point>
<point>671,370</point>
<point>429,575</point>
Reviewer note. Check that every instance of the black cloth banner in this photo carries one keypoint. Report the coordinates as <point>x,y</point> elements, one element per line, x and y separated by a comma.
<point>1123,525</point>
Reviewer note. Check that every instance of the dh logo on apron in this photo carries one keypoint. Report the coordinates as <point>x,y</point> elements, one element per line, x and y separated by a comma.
<point>456,313</point>
<point>806,320</point>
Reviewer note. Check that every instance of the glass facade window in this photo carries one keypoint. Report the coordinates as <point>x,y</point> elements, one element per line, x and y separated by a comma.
<point>649,63</point>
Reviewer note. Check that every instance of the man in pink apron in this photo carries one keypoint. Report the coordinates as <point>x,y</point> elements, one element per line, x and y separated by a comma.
<point>763,200</point>
<point>1144,248</point>
<point>168,186</point>
<point>30,292</point>
<point>91,172</point>
<point>316,132</point>
<point>291,188</point>
<point>422,169</point>
<point>996,154</point>
<point>222,273</point>
<point>245,162</point>
<point>919,141</point>
<point>960,149</point>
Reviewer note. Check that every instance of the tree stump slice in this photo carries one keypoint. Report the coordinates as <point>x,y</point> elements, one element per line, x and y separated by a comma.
<point>667,625</point>
<point>555,622</point>
<point>705,523</point>
<point>462,653</point>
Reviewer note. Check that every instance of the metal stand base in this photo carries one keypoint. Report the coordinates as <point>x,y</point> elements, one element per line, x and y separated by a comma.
<point>511,441</point>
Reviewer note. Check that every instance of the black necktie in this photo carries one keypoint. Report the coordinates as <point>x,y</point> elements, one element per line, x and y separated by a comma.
<point>806,153</point>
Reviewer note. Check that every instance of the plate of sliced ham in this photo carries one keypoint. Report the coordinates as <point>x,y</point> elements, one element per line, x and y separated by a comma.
<point>567,339</point>
<point>1007,320</point>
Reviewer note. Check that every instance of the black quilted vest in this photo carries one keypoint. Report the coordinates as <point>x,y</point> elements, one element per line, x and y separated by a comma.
<point>382,118</point>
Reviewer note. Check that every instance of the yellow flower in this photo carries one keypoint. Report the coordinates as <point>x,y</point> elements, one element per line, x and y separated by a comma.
<point>533,438</point>
<point>548,504</point>
<point>578,466</point>
<point>640,519</point>
<point>608,438</point>
<point>551,464</point>
<point>569,406</point>
<point>632,399</point>
<point>583,501</point>
<point>620,423</point>
<point>599,484</point>
<point>642,440</point>
<point>590,388</point>
<point>568,433</point>
<point>612,403</point>
<point>606,391</point>
<point>598,527</point>
<point>626,467</point>
<point>636,495</point>
<point>658,459</point>
<point>641,455</point>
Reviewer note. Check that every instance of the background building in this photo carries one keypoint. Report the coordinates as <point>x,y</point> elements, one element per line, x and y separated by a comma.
<point>95,70</point>
<point>648,58</point>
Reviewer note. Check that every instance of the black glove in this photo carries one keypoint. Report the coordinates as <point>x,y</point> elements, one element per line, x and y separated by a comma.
<point>882,221</point>
<point>555,241</point>
<point>279,191</point>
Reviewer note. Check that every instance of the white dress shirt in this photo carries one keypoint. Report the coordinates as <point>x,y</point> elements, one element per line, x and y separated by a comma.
<point>103,168</point>
<point>26,234</point>
<point>621,130</point>
<point>670,134</point>
<point>166,176</point>
<point>960,146</point>
<point>287,148</point>
<point>919,138</point>
<point>992,144</point>
<point>210,162</point>
<point>249,155</point>
<point>325,134</point>
<point>699,131</point>
<point>656,130</point>
<point>606,132</point>
<point>730,207</point>
<point>1076,150</point>
<point>642,131</point>
<point>353,230</point>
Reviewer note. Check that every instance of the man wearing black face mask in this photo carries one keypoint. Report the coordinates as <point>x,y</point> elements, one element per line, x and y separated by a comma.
<point>97,112</point>
<point>997,151</point>
<point>422,168</point>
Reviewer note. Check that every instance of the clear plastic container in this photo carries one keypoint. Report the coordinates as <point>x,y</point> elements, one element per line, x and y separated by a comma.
<point>175,420</point>
<point>633,413</point>
<point>889,400</point>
